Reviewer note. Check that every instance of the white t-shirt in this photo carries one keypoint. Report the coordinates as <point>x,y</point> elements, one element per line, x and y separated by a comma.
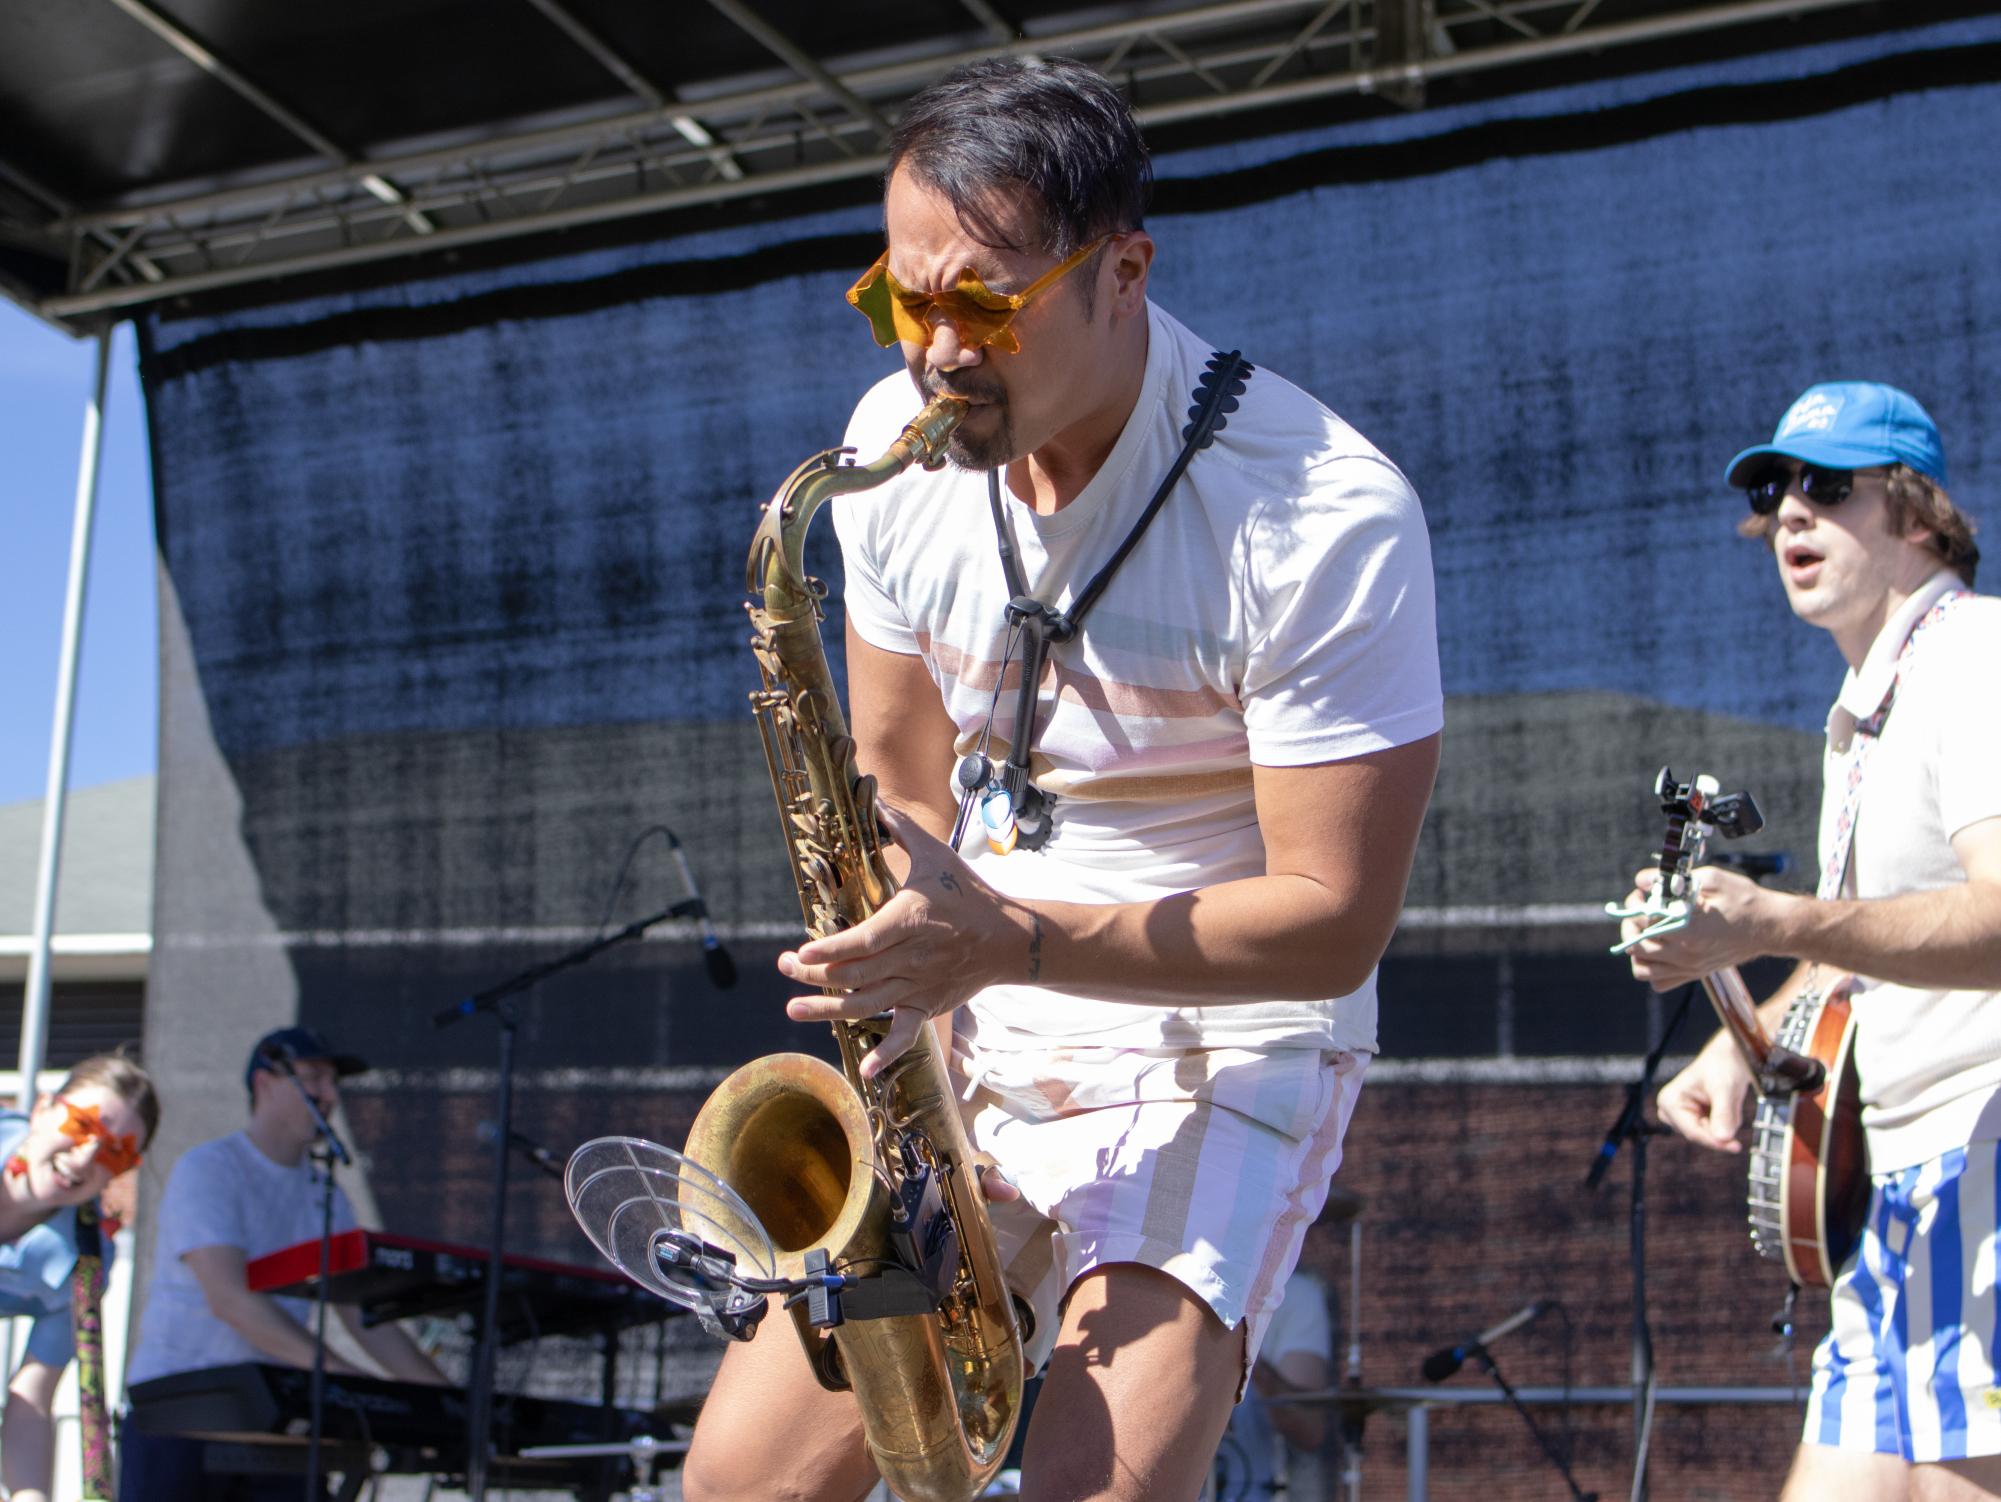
<point>223,1193</point>
<point>1929,1060</point>
<point>1279,610</point>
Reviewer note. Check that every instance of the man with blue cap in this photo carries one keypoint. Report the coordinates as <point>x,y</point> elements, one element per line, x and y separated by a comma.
<point>226,1203</point>
<point>1850,497</point>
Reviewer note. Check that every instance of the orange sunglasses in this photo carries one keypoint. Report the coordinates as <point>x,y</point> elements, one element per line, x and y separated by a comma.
<point>979,314</point>
<point>119,1153</point>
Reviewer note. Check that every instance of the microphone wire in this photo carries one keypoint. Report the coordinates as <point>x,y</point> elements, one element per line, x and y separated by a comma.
<point>625,868</point>
<point>1569,1343</point>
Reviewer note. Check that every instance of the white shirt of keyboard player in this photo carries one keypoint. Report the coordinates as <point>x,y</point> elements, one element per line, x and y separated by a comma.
<point>222,1193</point>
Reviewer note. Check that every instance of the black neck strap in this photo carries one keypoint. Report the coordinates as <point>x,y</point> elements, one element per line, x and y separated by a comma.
<point>1215,397</point>
<point>1041,627</point>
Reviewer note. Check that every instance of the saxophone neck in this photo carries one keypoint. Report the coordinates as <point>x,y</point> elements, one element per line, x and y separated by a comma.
<point>777,553</point>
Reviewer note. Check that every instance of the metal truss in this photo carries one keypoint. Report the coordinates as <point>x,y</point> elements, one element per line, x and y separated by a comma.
<point>805,123</point>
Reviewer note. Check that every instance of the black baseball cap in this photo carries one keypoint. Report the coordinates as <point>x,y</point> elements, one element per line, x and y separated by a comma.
<point>298,1044</point>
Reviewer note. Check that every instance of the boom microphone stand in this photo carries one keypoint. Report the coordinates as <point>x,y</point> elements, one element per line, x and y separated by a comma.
<point>332,1151</point>
<point>1556,1457</point>
<point>1632,1126</point>
<point>495,999</point>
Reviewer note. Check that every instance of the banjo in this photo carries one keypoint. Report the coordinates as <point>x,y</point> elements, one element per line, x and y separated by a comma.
<point>1808,1184</point>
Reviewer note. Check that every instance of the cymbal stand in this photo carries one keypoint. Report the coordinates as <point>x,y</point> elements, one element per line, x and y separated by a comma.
<point>643,1450</point>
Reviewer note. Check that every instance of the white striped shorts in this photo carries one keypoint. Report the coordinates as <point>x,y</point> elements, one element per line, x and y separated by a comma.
<point>1208,1165</point>
<point>1908,1366</point>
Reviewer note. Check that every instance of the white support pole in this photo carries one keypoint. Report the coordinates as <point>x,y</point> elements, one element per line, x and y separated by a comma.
<point>35,999</point>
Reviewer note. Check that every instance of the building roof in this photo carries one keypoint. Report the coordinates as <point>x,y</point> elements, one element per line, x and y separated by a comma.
<point>104,893</point>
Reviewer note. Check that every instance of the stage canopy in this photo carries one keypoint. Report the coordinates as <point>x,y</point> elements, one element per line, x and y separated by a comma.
<point>166,150</point>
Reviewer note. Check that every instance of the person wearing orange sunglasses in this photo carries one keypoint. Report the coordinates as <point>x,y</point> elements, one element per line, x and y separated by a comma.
<point>1191,612</point>
<point>67,1150</point>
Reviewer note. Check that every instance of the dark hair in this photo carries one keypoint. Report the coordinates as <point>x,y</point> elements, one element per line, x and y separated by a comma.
<point>1912,497</point>
<point>122,1076</point>
<point>1915,497</point>
<point>1050,126</point>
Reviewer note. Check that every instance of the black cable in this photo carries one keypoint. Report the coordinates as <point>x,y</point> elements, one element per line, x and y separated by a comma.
<point>1215,397</point>
<point>625,867</point>
<point>975,769</point>
<point>1569,1346</point>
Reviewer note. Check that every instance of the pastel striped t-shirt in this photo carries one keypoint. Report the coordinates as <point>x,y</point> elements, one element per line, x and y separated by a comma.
<point>1279,611</point>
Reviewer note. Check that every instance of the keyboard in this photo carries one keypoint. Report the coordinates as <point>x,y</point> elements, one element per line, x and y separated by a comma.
<point>422,1429</point>
<point>390,1277</point>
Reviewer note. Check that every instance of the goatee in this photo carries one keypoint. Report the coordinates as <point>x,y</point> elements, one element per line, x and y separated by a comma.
<point>963,450</point>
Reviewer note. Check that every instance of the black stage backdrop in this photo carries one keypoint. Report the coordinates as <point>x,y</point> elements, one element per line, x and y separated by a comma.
<point>452,577</point>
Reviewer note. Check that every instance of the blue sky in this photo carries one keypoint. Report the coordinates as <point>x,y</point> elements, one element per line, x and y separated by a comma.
<point>45,383</point>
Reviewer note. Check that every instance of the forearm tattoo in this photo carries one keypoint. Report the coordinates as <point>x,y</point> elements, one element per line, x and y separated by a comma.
<point>1035,949</point>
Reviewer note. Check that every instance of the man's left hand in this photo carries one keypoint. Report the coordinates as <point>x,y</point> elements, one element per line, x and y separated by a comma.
<point>1729,922</point>
<point>943,937</point>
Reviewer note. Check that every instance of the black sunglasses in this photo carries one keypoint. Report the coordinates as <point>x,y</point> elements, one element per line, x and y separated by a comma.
<point>1824,487</point>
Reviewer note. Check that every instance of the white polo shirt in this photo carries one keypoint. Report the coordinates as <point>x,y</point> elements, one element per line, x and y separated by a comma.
<point>1929,1060</point>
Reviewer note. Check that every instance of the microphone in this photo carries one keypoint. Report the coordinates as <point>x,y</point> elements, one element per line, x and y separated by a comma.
<point>528,1147</point>
<point>1443,1363</point>
<point>715,958</point>
<point>1755,866</point>
<point>280,1057</point>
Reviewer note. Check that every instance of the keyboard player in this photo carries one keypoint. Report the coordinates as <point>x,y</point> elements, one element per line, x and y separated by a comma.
<point>226,1202</point>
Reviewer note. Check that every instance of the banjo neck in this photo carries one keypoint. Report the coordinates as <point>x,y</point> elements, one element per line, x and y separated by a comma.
<point>1808,1180</point>
<point>1727,993</point>
<point>1780,1070</point>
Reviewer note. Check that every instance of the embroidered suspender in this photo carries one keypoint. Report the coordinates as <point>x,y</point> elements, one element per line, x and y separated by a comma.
<point>1834,871</point>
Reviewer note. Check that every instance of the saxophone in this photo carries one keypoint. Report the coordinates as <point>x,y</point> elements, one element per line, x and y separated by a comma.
<point>829,1162</point>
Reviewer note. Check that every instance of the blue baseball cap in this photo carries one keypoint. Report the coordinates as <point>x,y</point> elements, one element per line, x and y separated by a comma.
<point>1850,425</point>
<point>297,1045</point>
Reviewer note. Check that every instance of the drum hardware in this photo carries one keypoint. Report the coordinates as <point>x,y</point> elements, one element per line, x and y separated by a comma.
<point>643,1450</point>
<point>1342,1207</point>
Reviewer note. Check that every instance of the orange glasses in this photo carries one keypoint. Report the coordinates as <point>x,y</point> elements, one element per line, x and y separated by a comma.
<point>117,1153</point>
<point>979,314</point>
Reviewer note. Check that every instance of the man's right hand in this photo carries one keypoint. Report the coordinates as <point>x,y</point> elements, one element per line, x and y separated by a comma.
<point>1705,1102</point>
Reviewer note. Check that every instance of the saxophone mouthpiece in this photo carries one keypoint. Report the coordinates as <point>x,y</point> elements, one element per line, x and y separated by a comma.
<point>927,431</point>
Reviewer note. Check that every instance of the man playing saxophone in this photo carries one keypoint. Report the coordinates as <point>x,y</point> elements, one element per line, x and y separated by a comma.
<point>1160,1000</point>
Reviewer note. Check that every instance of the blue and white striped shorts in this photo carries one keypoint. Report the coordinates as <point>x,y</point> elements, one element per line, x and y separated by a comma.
<point>1908,1367</point>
